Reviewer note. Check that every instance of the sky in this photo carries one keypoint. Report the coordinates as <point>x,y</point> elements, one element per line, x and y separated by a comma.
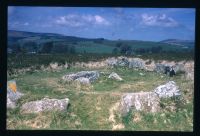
<point>147,24</point>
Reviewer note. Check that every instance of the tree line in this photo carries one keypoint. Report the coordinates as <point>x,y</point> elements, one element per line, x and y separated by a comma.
<point>43,48</point>
<point>121,48</point>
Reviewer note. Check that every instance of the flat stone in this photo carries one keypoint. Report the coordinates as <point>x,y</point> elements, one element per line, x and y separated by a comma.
<point>81,76</point>
<point>45,104</point>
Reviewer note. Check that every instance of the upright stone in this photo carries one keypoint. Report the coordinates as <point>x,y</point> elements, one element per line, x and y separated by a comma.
<point>12,94</point>
<point>143,101</point>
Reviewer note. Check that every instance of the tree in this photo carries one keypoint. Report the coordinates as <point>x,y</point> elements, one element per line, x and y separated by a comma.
<point>47,47</point>
<point>30,46</point>
<point>60,48</point>
<point>115,51</point>
<point>99,40</point>
<point>72,50</point>
<point>156,49</point>
<point>118,45</point>
<point>16,48</point>
<point>125,48</point>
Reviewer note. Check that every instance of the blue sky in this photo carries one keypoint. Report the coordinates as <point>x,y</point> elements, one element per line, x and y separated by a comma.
<point>148,24</point>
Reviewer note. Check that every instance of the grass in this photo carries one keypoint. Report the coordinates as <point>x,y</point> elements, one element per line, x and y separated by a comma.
<point>89,108</point>
<point>162,121</point>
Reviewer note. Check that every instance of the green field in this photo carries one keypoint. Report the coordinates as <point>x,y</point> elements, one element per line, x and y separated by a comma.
<point>90,105</point>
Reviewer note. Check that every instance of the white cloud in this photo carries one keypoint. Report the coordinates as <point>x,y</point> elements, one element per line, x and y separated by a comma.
<point>74,20</point>
<point>69,20</point>
<point>100,20</point>
<point>158,20</point>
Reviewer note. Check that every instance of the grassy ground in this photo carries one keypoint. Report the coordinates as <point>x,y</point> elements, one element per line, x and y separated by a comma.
<point>90,105</point>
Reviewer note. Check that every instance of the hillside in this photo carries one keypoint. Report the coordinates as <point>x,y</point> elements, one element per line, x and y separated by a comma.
<point>96,45</point>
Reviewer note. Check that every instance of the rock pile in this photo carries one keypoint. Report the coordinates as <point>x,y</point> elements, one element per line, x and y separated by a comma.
<point>12,94</point>
<point>45,104</point>
<point>83,77</point>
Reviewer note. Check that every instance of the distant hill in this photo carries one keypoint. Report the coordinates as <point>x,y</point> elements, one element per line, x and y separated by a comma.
<point>14,33</point>
<point>178,42</point>
<point>22,35</point>
<point>62,43</point>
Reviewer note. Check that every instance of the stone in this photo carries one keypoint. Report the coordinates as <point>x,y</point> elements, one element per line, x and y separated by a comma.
<point>179,68</point>
<point>189,76</point>
<point>83,80</point>
<point>141,74</point>
<point>142,101</point>
<point>53,66</point>
<point>90,75</point>
<point>66,65</point>
<point>10,104</point>
<point>123,62</point>
<point>170,89</point>
<point>160,68</point>
<point>12,94</point>
<point>137,63</point>
<point>112,62</point>
<point>115,76</point>
<point>167,67</point>
<point>44,105</point>
<point>150,65</point>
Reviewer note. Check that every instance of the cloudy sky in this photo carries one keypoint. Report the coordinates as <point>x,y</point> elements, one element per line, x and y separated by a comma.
<point>152,24</point>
